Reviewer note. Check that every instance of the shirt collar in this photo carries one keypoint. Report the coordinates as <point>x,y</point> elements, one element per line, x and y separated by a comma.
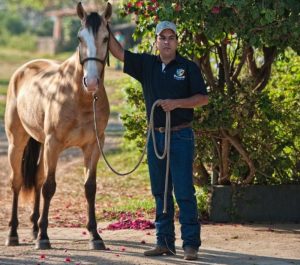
<point>178,58</point>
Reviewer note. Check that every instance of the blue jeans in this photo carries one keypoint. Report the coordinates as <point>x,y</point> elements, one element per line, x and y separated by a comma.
<point>181,181</point>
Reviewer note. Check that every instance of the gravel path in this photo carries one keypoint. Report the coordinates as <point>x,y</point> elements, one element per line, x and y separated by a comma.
<point>222,244</point>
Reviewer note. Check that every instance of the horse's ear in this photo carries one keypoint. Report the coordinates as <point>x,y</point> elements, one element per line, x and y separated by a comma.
<point>81,12</point>
<point>108,11</point>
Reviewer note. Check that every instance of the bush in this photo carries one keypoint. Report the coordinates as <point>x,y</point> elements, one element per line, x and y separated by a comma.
<point>202,196</point>
<point>24,42</point>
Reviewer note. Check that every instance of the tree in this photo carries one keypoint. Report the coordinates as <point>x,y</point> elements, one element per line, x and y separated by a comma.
<point>235,43</point>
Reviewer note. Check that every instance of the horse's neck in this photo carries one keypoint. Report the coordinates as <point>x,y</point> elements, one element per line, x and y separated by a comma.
<point>72,69</point>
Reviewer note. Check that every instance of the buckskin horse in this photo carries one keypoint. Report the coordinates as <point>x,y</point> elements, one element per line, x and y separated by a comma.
<point>50,108</point>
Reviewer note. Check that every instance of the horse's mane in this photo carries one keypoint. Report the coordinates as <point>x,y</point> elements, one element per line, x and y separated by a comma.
<point>93,20</point>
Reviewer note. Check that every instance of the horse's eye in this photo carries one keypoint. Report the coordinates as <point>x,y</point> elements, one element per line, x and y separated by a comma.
<point>79,39</point>
<point>105,40</point>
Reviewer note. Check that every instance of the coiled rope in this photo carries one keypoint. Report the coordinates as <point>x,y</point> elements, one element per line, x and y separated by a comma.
<point>150,130</point>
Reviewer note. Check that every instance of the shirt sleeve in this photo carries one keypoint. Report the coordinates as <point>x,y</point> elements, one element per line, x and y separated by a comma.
<point>133,65</point>
<point>197,84</point>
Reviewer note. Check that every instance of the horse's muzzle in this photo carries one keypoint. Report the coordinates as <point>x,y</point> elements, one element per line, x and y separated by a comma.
<point>91,84</point>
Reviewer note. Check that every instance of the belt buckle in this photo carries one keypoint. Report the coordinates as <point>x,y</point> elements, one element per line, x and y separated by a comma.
<point>161,129</point>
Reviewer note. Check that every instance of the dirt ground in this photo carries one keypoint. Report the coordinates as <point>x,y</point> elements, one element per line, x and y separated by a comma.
<point>232,244</point>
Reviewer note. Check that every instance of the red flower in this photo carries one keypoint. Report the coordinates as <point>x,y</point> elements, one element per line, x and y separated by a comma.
<point>139,4</point>
<point>149,8</point>
<point>67,259</point>
<point>129,5</point>
<point>216,10</point>
<point>178,7</point>
<point>43,256</point>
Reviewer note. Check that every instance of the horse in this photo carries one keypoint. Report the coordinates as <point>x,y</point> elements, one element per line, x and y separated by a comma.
<point>49,108</point>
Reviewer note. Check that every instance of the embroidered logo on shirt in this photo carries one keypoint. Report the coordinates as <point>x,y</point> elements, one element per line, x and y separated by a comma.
<point>180,74</point>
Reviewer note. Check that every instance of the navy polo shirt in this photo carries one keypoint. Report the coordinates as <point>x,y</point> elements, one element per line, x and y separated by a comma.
<point>181,78</point>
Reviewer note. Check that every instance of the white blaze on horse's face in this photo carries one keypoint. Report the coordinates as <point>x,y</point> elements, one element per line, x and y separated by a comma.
<point>93,49</point>
<point>91,73</point>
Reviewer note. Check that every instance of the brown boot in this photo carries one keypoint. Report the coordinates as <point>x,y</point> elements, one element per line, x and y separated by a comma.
<point>190,253</point>
<point>158,251</point>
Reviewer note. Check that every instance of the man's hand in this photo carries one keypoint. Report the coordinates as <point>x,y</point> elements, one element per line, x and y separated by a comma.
<point>168,104</point>
<point>188,103</point>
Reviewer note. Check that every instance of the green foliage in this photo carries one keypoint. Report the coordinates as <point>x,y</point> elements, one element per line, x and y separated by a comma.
<point>202,196</point>
<point>45,28</point>
<point>14,33</point>
<point>2,109</point>
<point>27,17</point>
<point>260,23</point>
<point>271,136</point>
<point>24,41</point>
<point>134,117</point>
<point>70,30</point>
<point>14,24</point>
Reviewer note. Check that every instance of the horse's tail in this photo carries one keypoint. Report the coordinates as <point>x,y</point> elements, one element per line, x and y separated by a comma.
<point>30,164</point>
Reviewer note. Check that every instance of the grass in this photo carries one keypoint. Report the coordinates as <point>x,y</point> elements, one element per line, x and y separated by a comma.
<point>2,109</point>
<point>124,193</point>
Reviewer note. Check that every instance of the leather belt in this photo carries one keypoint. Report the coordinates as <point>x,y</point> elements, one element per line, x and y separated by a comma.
<point>174,128</point>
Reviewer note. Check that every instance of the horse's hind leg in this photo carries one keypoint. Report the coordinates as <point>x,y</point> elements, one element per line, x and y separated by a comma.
<point>15,154</point>
<point>34,217</point>
<point>91,157</point>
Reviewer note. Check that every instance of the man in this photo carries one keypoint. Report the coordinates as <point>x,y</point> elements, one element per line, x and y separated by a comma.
<point>178,84</point>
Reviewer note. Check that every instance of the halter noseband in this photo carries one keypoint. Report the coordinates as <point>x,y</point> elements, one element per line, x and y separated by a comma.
<point>104,61</point>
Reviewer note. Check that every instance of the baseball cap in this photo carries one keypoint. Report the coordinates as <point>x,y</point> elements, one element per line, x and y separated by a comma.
<point>165,25</point>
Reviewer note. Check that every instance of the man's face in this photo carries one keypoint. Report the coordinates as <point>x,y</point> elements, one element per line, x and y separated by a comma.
<point>166,43</point>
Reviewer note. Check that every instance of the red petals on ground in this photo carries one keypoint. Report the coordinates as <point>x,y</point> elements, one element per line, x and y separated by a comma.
<point>127,221</point>
<point>143,242</point>
<point>138,224</point>
<point>67,259</point>
<point>42,256</point>
<point>123,249</point>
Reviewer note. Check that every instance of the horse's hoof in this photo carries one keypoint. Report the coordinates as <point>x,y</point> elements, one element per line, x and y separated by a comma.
<point>12,241</point>
<point>42,244</point>
<point>34,235</point>
<point>97,245</point>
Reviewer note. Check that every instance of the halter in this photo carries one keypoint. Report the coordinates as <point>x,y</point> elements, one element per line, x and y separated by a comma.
<point>102,61</point>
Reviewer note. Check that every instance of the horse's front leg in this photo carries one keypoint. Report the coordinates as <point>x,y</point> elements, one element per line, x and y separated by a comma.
<point>91,157</point>
<point>52,149</point>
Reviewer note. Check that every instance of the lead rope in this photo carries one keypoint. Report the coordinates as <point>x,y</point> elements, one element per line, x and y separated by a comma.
<point>166,152</point>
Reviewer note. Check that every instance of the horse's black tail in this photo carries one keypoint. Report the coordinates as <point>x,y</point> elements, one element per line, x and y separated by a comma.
<point>30,164</point>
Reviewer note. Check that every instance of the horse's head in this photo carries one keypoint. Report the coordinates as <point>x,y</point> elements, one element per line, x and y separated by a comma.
<point>93,47</point>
